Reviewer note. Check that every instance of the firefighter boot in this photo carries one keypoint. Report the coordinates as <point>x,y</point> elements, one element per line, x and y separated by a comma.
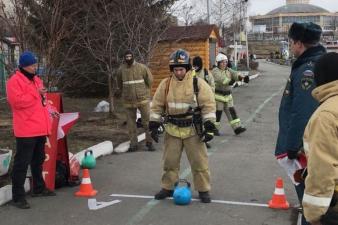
<point>164,193</point>
<point>150,147</point>
<point>205,197</point>
<point>239,130</point>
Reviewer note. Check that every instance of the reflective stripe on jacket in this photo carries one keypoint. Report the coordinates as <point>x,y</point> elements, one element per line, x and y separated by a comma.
<point>135,84</point>
<point>180,99</point>
<point>223,78</point>
<point>321,148</point>
<point>30,116</point>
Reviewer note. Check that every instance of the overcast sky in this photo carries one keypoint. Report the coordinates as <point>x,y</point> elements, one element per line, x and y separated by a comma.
<point>263,6</point>
<point>256,7</point>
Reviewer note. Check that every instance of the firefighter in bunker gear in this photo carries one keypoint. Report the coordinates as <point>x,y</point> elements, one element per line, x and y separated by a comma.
<point>320,145</point>
<point>224,79</point>
<point>178,97</point>
<point>134,82</point>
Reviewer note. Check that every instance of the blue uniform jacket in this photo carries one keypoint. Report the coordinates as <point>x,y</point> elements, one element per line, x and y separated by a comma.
<point>297,104</point>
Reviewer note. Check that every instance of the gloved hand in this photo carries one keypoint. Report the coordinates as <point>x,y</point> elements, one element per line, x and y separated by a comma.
<point>207,136</point>
<point>246,79</point>
<point>209,126</point>
<point>292,154</point>
<point>209,129</point>
<point>153,128</point>
<point>231,82</point>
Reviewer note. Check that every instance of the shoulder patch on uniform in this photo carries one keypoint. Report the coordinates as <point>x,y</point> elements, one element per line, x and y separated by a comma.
<point>308,73</point>
<point>307,82</point>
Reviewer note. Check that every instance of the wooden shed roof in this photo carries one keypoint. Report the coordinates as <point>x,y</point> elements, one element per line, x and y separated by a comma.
<point>195,32</point>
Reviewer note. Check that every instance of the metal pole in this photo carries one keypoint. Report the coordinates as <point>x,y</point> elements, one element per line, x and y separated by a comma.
<point>235,53</point>
<point>208,8</point>
<point>246,35</point>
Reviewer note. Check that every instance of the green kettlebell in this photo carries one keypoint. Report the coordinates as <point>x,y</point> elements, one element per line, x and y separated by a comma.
<point>88,161</point>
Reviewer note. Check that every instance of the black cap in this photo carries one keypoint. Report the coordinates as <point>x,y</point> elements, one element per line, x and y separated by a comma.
<point>128,52</point>
<point>305,32</point>
<point>197,62</point>
<point>326,69</point>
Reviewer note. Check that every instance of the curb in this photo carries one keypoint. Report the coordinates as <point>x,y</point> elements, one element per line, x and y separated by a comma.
<point>6,192</point>
<point>123,147</point>
<point>276,64</point>
<point>101,149</point>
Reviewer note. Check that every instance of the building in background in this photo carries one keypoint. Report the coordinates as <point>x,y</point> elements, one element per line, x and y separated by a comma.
<point>276,23</point>
<point>202,40</point>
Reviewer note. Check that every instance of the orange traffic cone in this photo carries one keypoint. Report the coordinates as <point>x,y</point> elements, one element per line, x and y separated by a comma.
<point>86,188</point>
<point>278,200</point>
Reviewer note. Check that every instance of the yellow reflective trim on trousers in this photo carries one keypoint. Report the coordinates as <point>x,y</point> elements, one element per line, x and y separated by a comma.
<point>218,125</point>
<point>223,98</point>
<point>233,122</point>
<point>180,132</point>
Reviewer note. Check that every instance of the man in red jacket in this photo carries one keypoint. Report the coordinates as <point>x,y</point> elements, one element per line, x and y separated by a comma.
<point>26,96</point>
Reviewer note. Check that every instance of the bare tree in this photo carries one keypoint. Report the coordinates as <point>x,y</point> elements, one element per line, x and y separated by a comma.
<point>112,27</point>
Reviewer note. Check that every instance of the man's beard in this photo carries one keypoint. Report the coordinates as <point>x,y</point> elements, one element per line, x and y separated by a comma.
<point>130,61</point>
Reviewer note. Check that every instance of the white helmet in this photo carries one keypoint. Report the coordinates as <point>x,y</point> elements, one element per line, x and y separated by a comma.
<point>221,57</point>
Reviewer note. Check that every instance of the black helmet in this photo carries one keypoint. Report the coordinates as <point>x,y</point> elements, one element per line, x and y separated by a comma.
<point>179,58</point>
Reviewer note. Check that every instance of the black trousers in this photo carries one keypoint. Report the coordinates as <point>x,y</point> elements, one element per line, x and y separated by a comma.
<point>30,150</point>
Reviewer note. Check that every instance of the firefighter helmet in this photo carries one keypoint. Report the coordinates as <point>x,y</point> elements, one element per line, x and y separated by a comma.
<point>221,57</point>
<point>179,58</point>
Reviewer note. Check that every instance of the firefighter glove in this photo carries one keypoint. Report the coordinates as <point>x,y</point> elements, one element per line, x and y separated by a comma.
<point>207,136</point>
<point>292,154</point>
<point>209,126</point>
<point>232,81</point>
<point>209,129</point>
<point>246,79</point>
<point>153,128</point>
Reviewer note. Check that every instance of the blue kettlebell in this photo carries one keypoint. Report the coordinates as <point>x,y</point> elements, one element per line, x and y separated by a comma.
<point>88,161</point>
<point>182,194</point>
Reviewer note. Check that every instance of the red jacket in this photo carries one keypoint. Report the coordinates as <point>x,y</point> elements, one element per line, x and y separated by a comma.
<point>30,117</point>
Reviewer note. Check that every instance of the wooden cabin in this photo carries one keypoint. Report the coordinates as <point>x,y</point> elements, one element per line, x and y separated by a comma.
<point>199,40</point>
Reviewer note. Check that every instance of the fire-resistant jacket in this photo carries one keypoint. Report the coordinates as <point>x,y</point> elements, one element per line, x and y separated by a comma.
<point>30,117</point>
<point>297,104</point>
<point>209,78</point>
<point>321,148</point>
<point>135,84</point>
<point>179,99</point>
<point>223,78</point>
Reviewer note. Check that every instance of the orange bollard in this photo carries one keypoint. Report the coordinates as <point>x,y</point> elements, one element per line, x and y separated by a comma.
<point>86,188</point>
<point>278,200</point>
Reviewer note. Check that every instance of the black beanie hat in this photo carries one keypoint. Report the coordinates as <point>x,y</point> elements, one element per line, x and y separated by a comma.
<point>306,32</point>
<point>197,61</point>
<point>326,68</point>
<point>128,52</point>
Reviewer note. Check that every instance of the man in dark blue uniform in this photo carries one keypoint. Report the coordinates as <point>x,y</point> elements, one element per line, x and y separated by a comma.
<point>297,104</point>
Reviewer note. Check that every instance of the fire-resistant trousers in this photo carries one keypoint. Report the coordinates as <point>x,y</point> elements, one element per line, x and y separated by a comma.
<point>197,155</point>
<point>230,112</point>
<point>131,122</point>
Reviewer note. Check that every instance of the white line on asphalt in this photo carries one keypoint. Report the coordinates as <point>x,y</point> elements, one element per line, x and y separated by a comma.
<point>136,219</point>
<point>194,199</point>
